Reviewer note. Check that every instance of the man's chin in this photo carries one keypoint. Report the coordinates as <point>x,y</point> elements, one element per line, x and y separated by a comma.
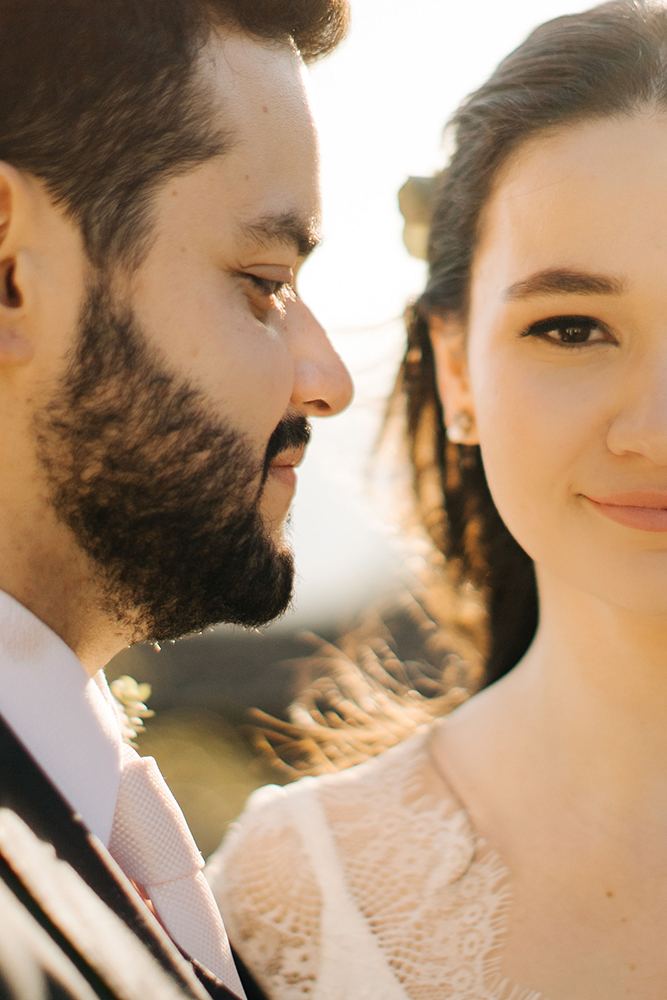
<point>280,540</point>
<point>276,502</point>
<point>256,598</point>
<point>277,532</point>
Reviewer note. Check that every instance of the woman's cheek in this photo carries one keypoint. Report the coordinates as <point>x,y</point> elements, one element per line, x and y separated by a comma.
<point>524,445</point>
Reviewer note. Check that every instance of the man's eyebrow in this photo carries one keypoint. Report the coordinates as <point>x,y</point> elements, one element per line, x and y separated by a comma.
<point>555,281</point>
<point>287,229</point>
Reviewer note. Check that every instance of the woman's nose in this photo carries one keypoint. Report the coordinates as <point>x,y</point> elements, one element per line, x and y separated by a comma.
<point>640,425</point>
<point>322,384</point>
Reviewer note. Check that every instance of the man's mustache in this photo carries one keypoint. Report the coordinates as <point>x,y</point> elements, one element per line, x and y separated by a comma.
<point>293,431</point>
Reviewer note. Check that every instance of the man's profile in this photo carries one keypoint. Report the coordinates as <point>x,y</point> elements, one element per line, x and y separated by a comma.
<point>158,194</point>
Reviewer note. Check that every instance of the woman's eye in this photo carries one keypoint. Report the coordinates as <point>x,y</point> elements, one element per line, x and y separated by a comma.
<point>570,331</point>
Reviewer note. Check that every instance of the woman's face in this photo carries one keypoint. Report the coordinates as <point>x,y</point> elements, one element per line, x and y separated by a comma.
<point>567,356</point>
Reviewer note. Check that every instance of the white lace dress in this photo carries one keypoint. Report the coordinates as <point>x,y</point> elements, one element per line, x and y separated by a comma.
<point>370,884</point>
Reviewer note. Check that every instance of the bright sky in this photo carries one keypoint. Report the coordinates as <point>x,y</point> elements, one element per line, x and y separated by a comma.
<point>381,102</point>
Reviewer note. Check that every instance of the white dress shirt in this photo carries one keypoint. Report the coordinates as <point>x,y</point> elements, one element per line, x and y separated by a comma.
<point>64,718</point>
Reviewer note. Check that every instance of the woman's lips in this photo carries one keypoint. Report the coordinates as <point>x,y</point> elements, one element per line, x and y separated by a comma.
<point>643,510</point>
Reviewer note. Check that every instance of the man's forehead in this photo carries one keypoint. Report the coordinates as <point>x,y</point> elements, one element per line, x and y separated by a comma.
<point>283,228</point>
<point>248,76</point>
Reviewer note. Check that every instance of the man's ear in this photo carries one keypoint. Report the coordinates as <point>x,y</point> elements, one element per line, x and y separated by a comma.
<point>15,344</point>
<point>453,380</point>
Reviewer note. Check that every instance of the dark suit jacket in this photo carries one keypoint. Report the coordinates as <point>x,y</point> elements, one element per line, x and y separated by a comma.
<point>72,927</point>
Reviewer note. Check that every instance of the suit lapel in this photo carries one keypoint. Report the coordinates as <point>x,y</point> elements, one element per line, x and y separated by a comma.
<point>27,791</point>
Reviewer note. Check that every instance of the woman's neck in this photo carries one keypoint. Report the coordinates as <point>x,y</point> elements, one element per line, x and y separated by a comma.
<point>578,728</point>
<point>596,679</point>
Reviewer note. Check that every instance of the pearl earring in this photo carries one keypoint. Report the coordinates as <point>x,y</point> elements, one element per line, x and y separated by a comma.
<point>460,428</point>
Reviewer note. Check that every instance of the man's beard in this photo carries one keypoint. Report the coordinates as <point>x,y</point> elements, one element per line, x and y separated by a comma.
<point>162,496</point>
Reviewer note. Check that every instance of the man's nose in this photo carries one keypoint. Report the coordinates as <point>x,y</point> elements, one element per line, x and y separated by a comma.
<point>640,424</point>
<point>322,384</point>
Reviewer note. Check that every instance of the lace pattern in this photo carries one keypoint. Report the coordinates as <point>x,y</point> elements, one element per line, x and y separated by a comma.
<point>269,897</point>
<point>433,895</point>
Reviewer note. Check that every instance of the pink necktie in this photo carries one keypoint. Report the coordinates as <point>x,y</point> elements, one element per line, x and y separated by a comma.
<point>152,843</point>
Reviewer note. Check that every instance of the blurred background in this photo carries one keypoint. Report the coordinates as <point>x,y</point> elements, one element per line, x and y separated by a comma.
<point>381,102</point>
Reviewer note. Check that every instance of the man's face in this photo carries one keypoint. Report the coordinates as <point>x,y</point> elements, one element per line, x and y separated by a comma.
<point>171,435</point>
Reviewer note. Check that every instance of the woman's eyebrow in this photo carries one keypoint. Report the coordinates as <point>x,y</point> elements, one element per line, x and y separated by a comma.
<point>555,281</point>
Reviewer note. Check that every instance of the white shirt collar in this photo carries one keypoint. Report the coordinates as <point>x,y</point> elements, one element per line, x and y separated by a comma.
<point>64,718</point>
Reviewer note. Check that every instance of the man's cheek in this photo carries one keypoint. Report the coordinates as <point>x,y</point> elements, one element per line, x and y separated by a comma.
<point>257,397</point>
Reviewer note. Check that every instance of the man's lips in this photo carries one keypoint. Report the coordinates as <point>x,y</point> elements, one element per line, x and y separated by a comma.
<point>284,464</point>
<point>644,510</point>
<point>290,458</point>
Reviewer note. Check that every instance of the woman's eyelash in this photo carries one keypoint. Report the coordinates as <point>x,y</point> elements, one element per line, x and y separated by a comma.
<point>568,331</point>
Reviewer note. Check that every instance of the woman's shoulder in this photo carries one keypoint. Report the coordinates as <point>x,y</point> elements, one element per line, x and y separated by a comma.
<point>266,822</point>
<point>381,839</point>
<point>393,798</point>
<point>269,895</point>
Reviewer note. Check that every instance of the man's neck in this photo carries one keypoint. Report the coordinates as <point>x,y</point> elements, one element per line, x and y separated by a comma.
<point>69,603</point>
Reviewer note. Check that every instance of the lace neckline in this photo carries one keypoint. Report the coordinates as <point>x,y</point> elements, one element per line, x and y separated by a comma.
<point>413,859</point>
<point>501,988</point>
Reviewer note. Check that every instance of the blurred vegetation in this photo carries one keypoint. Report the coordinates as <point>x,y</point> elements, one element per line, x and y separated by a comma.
<point>227,670</point>
<point>202,689</point>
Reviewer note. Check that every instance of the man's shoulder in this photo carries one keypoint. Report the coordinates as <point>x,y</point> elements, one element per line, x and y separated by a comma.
<point>32,965</point>
<point>88,935</point>
<point>78,922</point>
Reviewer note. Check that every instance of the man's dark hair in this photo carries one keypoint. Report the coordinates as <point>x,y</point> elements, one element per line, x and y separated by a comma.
<point>101,100</point>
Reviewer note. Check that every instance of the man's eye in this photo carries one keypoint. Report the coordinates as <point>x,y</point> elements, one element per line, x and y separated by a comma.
<point>266,286</point>
<point>570,331</point>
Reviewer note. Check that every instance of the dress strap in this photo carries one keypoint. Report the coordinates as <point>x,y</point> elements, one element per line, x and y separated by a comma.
<point>365,974</point>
